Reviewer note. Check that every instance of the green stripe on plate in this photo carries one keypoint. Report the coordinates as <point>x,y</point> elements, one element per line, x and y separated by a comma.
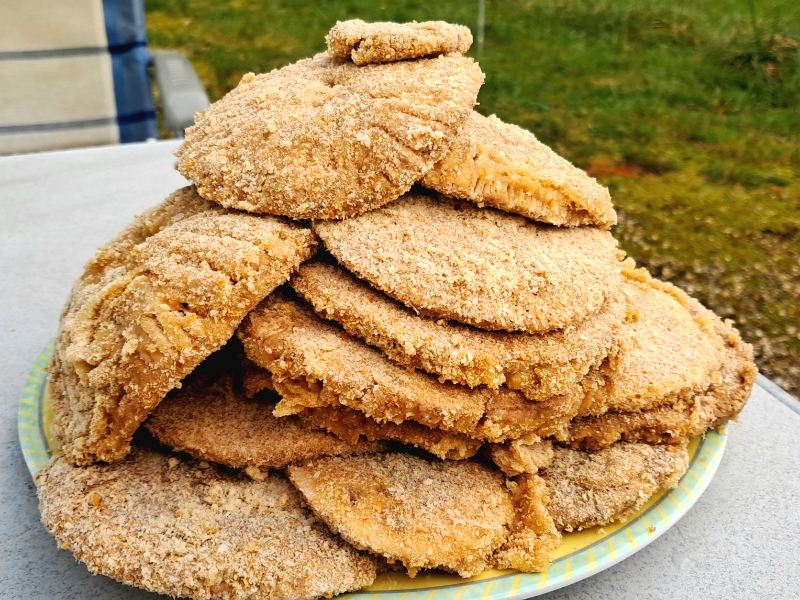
<point>29,416</point>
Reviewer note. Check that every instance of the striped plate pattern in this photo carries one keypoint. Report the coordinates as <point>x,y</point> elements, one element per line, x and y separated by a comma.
<point>30,420</point>
<point>581,553</point>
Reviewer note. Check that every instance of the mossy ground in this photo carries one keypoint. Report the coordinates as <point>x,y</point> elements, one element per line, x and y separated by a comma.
<point>688,111</point>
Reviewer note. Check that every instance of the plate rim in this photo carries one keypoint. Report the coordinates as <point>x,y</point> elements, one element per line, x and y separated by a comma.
<point>631,537</point>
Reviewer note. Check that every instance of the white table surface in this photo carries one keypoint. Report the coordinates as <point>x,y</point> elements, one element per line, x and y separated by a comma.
<point>741,539</point>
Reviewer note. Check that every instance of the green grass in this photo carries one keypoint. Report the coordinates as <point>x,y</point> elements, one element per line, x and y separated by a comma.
<point>688,111</point>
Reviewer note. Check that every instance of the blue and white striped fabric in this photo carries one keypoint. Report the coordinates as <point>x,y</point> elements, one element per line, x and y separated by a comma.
<point>73,74</point>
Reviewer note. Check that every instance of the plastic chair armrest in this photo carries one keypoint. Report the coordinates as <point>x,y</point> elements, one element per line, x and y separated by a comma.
<point>182,94</point>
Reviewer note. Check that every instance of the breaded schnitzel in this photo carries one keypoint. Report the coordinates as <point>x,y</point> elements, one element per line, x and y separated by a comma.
<point>184,528</point>
<point>315,364</point>
<point>687,417</point>
<point>326,139</point>
<point>151,305</point>
<point>540,366</point>
<point>375,43</point>
<point>677,352</point>
<point>496,164</point>
<point>441,514</point>
<point>588,489</point>
<point>480,266</point>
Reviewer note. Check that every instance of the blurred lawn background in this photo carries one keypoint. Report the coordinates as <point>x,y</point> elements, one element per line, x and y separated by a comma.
<point>688,110</point>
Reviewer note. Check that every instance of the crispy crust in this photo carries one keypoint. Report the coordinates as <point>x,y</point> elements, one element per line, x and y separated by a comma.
<point>596,489</point>
<point>374,43</point>
<point>677,353</point>
<point>315,364</point>
<point>326,139</point>
<point>179,529</point>
<point>209,418</point>
<point>478,266</point>
<point>540,366</point>
<point>534,536</point>
<point>151,305</point>
<point>509,416</point>
<point>496,164</point>
<point>687,417</point>
<point>525,455</point>
<point>448,515</point>
<point>351,425</point>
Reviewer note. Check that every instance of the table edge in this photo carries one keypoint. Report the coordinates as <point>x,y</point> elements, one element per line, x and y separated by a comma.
<point>777,392</point>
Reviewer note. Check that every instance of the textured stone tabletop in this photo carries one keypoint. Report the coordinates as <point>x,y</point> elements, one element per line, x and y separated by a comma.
<point>741,539</point>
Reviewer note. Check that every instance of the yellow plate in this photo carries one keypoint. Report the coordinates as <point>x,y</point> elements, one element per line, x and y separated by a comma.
<point>580,555</point>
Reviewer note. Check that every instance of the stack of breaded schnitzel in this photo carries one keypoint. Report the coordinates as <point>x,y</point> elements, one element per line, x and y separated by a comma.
<point>379,331</point>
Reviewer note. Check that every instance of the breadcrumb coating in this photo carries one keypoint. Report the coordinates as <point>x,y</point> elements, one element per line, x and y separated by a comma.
<point>677,353</point>
<point>540,366</point>
<point>441,514</point>
<point>316,364</point>
<point>534,536</point>
<point>375,43</point>
<point>209,418</point>
<point>477,266</point>
<point>186,529</point>
<point>151,305</point>
<point>508,416</point>
<point>325,139</point>
<point>687,416</point>
<point>588,489</point>
<point>496,164</point>
<point>525,455</point>
<point>352,425</point>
